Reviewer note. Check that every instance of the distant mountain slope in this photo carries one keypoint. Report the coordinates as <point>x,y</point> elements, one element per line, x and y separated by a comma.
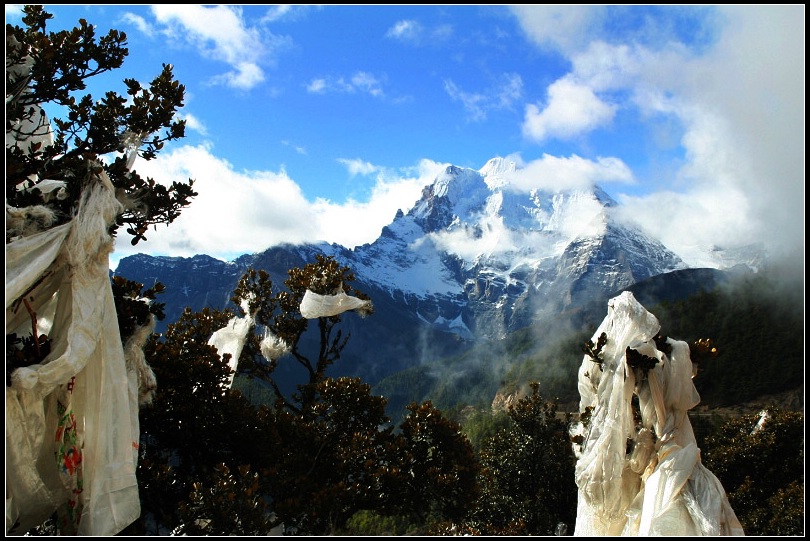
<point>549,352</point>
<point>754,320</point>
<point>473,261</point>
<point>475,251</point>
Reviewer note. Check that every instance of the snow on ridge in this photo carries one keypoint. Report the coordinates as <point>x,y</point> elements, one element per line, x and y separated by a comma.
<point>405,260</point>
<point>405,228</point>
<point>496,172</point>
<point>472,216</point>
<point>458,183</point>
<point>489,227</point>
<point>577,214</point>
<point>455,325</point>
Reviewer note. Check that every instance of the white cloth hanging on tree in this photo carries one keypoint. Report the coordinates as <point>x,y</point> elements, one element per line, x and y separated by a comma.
<point>660,487</point>
<point>71,421</point>
<point>314,305</point>
<point>231,338</point>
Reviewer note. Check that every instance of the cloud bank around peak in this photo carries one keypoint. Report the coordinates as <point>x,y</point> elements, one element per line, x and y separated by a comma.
<point>241,212</point>
<point>736,94</point>
<point>691,117</point>
<point>554,173</point>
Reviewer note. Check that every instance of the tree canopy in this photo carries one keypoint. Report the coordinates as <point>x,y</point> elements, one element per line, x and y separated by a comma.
<point>760,460</point>
<point>70,186</point>
<point>527,475</point>
<point>305,461</point>
<point>91,133</point>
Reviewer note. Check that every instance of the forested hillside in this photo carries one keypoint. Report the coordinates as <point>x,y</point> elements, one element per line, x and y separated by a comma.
<point>756,322</point>
<point>758,330</point>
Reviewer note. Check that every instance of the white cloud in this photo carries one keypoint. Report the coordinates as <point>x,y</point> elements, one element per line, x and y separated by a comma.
<point>275,13</point>
<point>288,12</point>
<point>234,213</point>
<point>737,98</point>
<point>554,173</point>
<point>741,107</point>
<point>473,103</point>
<point>603,66</point>
<point>510,92</point>
<point>299,149</point>
<point>138,22</point>
<point>193,123</point>
<point>502,95</point>
<point>367,82</point>
<point>240,212</point>
<point>415,33</point>
<point>220,33</point>
<point>406,30</point>
<point>572,109</point>
<point>354,223</point>
<point>566,28</point>
<point>359,82</point>
<point>754,82</point>
<point>317,86</point>
<point>489,239</point>
<point>691,223</point>
<point>359,167</point>
<point>245,76</point>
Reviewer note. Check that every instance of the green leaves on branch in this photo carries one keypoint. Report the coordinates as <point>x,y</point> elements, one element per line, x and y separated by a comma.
<point>54,68</point>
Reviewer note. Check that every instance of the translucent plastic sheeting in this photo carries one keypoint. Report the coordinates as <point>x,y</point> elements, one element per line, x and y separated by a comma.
<point>314,305</point>
<point>659,486</point>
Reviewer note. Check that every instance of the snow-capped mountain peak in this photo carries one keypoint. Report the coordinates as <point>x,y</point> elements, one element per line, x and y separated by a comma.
<point>477,258</point>
<point>469,237</point>
<point>496,172</point>
<point>469,214</point>
<point>474,259</point>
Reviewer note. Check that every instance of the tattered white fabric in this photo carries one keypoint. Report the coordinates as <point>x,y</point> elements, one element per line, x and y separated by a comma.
<point>231,338</point>
<point>272,346</point>
<point>314,305</point>
<point>660,487</point>
<point>141,376</point>
<point>71,424</point>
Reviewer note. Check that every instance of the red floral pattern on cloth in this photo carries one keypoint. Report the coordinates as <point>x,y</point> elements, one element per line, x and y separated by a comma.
<point>69,462</point>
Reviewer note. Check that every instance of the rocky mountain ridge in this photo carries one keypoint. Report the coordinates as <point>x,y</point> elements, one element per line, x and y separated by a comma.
<point>473,259</point>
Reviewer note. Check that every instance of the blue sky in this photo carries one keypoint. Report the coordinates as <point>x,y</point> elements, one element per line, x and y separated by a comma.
<point>309,123</point>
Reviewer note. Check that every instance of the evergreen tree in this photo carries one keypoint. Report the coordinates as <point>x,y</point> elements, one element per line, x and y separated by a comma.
<point>201,442</point>
<point>331,459</point>
<point>308,461</point>
<point>437,467</point>
<point>527,475</point>
<point>759,459</point>
<point>54,166</point>
<point>94,134</point>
